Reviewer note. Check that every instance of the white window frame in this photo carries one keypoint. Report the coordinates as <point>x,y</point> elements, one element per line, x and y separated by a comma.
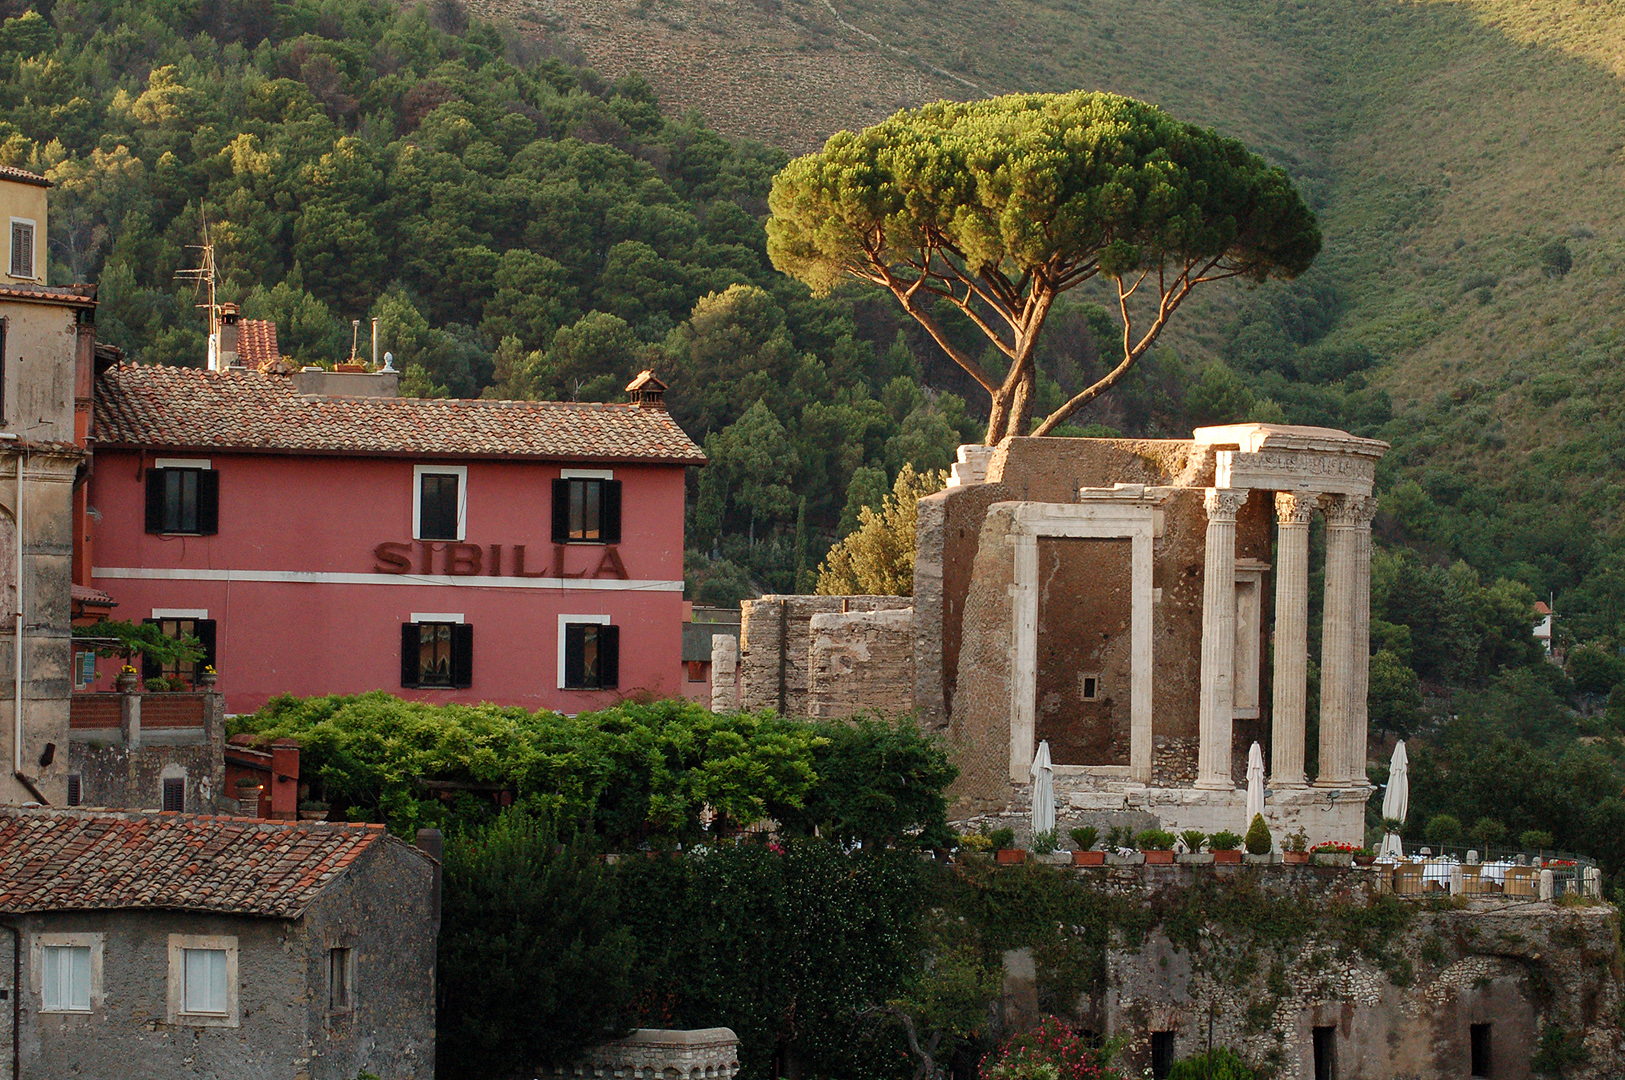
<point>36,966</point>
<point>178,944</point>
<point>180,613</point>
<point>202,464</point>
<point>436,616</point>
<point>586,474</point>
<point>565,620</point>
<point>33,256</point>
<point>418,473</point>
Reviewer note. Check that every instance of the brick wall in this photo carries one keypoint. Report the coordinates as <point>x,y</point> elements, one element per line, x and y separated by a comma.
<point>94,711</point>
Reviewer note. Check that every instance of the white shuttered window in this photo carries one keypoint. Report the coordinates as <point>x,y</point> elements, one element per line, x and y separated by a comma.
<point>65,978</point>
<point>204,992</point>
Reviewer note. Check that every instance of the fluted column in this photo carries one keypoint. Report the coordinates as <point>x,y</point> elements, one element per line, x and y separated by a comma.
<point>1213,769</point>
<point>1364,509</point>
<point>1337,682</point>
<point>1292,515</point>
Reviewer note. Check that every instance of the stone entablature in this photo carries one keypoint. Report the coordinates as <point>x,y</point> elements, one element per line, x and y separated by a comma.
<point>661,1054</point>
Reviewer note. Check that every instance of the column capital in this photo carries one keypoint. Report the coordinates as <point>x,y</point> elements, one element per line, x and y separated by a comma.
<point>1349,511</point>
<point>1222,504</point>
<point>1295,508</point>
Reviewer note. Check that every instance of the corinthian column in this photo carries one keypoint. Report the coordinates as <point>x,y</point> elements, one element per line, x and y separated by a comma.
<point>1213,768</point>
<point>1337,683</point>
<point>1292,515</point>
<point>1365,508</point>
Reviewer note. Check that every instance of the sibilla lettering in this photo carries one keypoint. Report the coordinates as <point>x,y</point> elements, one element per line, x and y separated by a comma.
<point>496,560</point>
<point>464,560</point>
<point>611,562</point>
<point>392,558</point>
<point>519,563</point>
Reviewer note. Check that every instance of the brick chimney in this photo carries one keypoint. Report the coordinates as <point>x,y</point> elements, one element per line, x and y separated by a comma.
<point>647,392</point>
<point>228,336</point>
<point>284,780</point>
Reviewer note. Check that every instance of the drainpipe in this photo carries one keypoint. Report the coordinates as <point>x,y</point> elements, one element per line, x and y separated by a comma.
<point>17,654</point>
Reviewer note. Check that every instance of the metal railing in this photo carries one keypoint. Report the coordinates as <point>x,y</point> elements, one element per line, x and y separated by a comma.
<point>1458,870</point>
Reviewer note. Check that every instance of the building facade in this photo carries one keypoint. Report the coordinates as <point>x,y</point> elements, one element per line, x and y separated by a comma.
<point>329,537</point>
<point>166,945</point>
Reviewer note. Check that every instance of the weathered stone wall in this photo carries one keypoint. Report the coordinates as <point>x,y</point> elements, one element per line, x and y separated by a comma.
<point>661,1054</point>
<point>979,725</point>
<point>125,766</point>
<point>775,641</point>
<point>861,661</point>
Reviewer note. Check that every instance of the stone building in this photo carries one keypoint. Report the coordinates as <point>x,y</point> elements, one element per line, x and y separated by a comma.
<point>168,945</point>
<point>1141,605</point>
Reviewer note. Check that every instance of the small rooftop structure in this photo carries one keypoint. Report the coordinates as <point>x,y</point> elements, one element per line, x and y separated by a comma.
<point>143,407</point>
<point>22,176</point>
<point>646,391</point>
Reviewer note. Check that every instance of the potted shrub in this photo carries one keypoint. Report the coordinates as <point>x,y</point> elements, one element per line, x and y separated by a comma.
<point>129,680</point>
<point>1259,841</point>
<point>1226,847</point>
<point>1333,853</point>
<point>207,677</point>
<point>1119,847</point>
<point>1295,848</point>
<point>1004,846</point>
<point>1158,846</point>
<point>312,810</point>
<point>1085,837</point>
<point>1044,845</point>
<point>1193,855</point>
<point>976,843</point>
<point>1364,857</point>
<point>248,796</point>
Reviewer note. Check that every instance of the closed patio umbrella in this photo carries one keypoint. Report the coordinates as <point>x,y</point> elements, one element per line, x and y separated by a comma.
<point>1043,790</point>
<point>1255,784</point>
<point>1396,801</point>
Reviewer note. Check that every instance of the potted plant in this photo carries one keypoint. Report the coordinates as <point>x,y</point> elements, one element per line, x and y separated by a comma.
<point>1295,848</point>
<point>1259,841</point>
<point>975,843</point>
<point>206,678</point>
<point>312,810</point>
<point>1364,857</point>
<point>1004,846</point>
<point>1119,847</point>
<point>1226,847</point>
<point>1333,853</point>
<point>1085,837</point>
<point>1193,855</point>
<point>248,796</point>
<point>1158,846</point>
<point>129,680</point>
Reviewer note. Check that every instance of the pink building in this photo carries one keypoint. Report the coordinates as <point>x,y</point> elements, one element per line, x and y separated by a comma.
<point>322,535</point>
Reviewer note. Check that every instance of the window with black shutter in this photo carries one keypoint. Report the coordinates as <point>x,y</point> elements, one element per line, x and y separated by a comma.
<point>437,506</point>
<point>183,501</point>
<point>437,654</point>
<point>592,656</point>
<point>586,511</point>
<point>174,794</point>
<point>202,629</point>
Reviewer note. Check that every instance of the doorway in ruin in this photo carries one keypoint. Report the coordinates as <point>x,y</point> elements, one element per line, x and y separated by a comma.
<point>1084,669</point>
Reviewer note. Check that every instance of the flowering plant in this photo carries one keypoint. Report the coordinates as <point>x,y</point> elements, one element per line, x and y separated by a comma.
<point>208,669</point>
<point>128,670</point>
<point>1051,1051</point>
<point>1336,847</point>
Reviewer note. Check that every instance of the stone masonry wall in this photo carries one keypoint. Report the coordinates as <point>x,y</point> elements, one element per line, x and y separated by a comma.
<point>861,661</point>
<point>775,639</point>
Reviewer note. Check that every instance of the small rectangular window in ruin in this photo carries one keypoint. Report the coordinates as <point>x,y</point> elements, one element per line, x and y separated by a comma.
<point>1162,1054</point>
<point>1091,687</point>
<point>1481,1050</point>
<point>1325,1053</point>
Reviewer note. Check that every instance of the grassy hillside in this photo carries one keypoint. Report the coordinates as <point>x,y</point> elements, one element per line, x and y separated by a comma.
<point>1465,156</point>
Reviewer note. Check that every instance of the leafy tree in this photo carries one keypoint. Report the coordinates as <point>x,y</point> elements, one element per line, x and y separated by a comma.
<point>1395,696</point>
<point>535,964</point>
<point>752,463</point>
<point>995,208</point>
<point>878,559</point>
<point>1216,1064</point>
<point>1594,669</point>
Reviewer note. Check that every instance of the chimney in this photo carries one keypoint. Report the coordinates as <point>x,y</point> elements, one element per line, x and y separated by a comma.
<point>647,392</point>
<point>228,337</point>
<point>284,780</point>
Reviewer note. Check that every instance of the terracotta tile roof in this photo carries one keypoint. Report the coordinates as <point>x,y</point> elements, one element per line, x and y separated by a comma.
<point>80,860</point>
<point>22,176</point>
<point>256,342</point>
<point>142,406</point>
<point>84,594</point>
<point>72,295</point>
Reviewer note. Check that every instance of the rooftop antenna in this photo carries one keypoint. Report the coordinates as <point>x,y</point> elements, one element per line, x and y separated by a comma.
<point>201,276</point>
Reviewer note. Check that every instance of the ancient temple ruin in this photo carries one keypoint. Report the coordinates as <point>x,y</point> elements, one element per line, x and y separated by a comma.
<point>1141,605</point>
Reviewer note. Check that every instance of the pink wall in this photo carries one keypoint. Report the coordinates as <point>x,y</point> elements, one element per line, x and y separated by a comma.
<point>326,516</point>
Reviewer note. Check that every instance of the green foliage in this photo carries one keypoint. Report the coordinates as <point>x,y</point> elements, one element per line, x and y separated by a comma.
<point>879,782</point>
<point>1216,1064</point>
<point>1194,839</point>
<point>144,639</point>
<point>1012,200</point>
<point>1536,840</point>
<point>1044,843</point>
<point>1488,831</point>
<point>878,559</point>
<point>535,962</point>
<point>1445,828</point>
<point>1084,837</point>
<point>1559,1052</point>
<point>1003,839</point>
<point>1594,668</point>
<point>1258,839</point>
<point>1226,841</point>
<point>1155,840</point>
<point>1394,701</point>
<point>1051,1051</point>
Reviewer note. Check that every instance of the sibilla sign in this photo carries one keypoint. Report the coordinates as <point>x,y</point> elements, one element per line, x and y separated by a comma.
<point>470,560</point>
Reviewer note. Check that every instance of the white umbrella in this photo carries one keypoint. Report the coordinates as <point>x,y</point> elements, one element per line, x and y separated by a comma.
<point>1043,774</point>
<point>1396,801</point>
<point>1255,783</point>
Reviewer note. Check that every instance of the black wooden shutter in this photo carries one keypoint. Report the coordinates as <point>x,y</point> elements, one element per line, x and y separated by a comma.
<point>155,500</point>
<point>205,633</point>
<point>410,664</point>
<point>462,654</point>
<point>174,795</point>
<point>610,507</point>
<point>609,657</point>
<point>575,648</point>
<point>150,668</point>
<point>561,511</point>
<point>208,502</point>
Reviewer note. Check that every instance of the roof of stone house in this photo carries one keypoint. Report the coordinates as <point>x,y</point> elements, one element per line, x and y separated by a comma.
<point>22,176</point>
<point>143,406</point>
<point>84,594</point>
<point>256,342</point>
<point>70,295</point>
<point>82,860</point>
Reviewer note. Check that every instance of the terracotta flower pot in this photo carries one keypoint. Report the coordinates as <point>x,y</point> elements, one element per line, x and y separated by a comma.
<point>1364,860</point>
<point>1159,858</point>
<point>1227,858</point>
<point>1088,858</point>
<point>1295,858</point>
<point>1011,855</point>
